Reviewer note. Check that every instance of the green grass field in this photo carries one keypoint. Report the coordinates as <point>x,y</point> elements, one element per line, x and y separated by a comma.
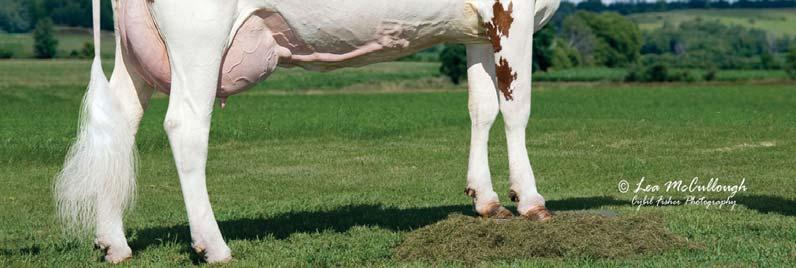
<point>338,171</point>
<point>21,45</point>
<point>779,21</point>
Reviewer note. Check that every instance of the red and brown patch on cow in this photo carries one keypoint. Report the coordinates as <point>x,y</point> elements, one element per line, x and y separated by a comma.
<point>505,77</point>
<point>496,28</point>
<point>500,24</point>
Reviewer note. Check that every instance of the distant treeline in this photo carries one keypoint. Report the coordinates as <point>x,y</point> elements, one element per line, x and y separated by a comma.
<point>582,38</point>
<point>634,6</point>
<point>593,34</point>
<point>20,16</point>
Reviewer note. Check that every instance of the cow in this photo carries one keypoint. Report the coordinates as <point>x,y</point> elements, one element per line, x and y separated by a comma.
<point>201,50</point>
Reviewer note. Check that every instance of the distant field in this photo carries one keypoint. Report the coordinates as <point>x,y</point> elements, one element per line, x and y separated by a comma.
<point>776,21</point>
<point>316,178</point>
<point>383,77</point>
<point>68,39</point>
<point>582,74</point>
<point>591,74</point>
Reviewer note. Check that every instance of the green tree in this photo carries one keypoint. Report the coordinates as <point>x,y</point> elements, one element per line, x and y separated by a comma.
<point>6,53</point>
<point>790,62</point>
<point>37,10</point>
<point>564,56</point>
<point>620,39</point>
<point>647,71</point>
<point>580,36</point>
<point>454,62</point>
<point>14,16</point>
<point>87,52</point>
<point>543,48</point>
<point>607,39</point>
<point>710,74</point>
<point>768,61</point>
<point>702,43</point>
<point>44,43</point>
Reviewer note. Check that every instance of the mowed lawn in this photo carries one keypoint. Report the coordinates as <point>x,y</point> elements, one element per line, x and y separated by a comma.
<point>338,175</point>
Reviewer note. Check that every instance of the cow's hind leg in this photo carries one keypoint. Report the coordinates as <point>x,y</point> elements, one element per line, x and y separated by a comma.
<point>133,95</point>
<point>511,31</point>
<point>483,106</point>
<point>195,33</point>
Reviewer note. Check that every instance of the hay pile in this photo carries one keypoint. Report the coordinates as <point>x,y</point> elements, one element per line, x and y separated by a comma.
<point>470,240</point>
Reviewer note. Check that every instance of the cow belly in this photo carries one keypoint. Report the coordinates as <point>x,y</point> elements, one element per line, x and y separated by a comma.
<point>250,58</point>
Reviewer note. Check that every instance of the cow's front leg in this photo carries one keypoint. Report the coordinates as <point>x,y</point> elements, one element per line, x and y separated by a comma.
<point>483,106</point>
<point>511,31</point>
<point>195,33</point>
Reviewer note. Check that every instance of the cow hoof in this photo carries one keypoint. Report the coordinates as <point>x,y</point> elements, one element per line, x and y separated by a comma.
<point>101,245</point>
<point>114,254</point>
<point>222,255</point>
<point>537,213</point>
<point>199,248</point>
<point>117,255</point>
<point>500,212</point>
<point>496,211</point>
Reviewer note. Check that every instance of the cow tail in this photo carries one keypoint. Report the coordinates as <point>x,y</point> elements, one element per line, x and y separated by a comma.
<point>99,170</point>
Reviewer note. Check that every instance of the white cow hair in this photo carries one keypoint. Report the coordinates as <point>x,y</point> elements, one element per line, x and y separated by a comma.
<point>101,164</point>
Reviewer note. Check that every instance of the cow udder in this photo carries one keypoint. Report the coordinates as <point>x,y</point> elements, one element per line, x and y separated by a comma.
<point>250,58</point>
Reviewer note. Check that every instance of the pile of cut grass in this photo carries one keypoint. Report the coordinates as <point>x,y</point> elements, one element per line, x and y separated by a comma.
<point>585,235</point>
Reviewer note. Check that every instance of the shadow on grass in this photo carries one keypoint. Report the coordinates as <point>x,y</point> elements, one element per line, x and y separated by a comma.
<point>340,220</point>
<point>32,250</point>
<point>769,204</point>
